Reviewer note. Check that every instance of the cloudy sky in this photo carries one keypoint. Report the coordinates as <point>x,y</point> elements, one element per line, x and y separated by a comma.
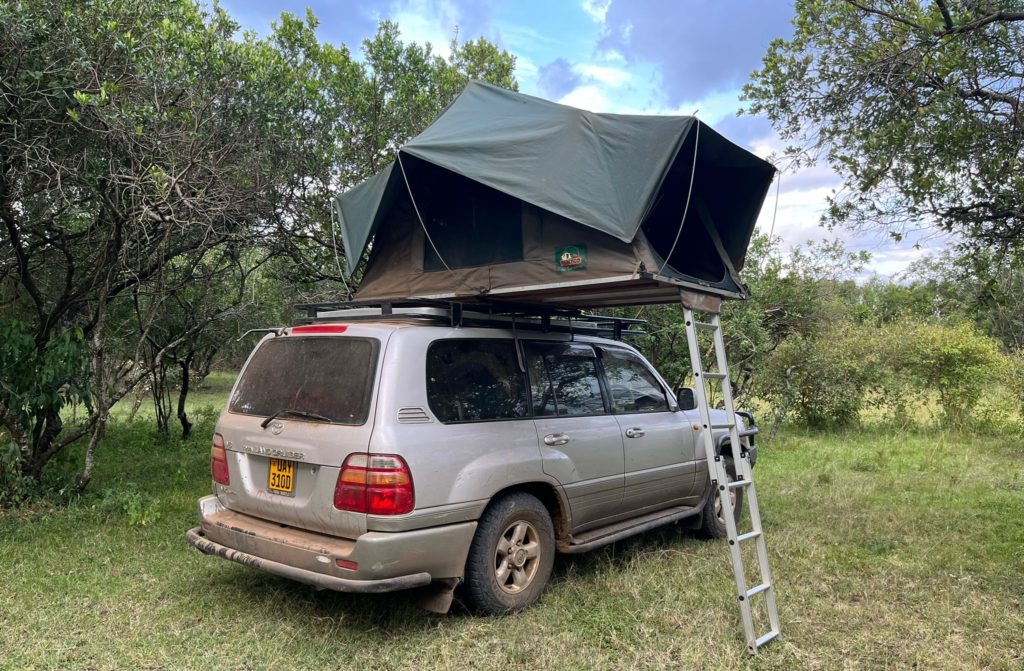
<point>636,56</point>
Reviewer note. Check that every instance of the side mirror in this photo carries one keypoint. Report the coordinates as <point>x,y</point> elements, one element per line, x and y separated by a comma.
<point>685,398</point>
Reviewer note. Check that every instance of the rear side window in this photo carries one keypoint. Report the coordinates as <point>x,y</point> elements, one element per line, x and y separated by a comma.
<point>632,385</point>
<point>326,375</point>
<point>475,380</point>
<point>563,380</point>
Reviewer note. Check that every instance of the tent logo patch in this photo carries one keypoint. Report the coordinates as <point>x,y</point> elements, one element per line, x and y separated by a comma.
<point>573,257</point>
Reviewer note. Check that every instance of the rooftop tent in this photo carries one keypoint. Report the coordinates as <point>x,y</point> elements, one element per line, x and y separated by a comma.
<point>510,196</point>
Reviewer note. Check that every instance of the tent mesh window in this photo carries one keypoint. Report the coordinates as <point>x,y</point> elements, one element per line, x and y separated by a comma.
<point>469,223</point>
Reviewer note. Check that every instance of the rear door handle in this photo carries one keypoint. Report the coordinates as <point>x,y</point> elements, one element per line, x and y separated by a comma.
<point>556,439</point>
<point>635,432</point>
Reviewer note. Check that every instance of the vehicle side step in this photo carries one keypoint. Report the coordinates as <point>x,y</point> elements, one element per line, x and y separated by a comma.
<point>607,535</point>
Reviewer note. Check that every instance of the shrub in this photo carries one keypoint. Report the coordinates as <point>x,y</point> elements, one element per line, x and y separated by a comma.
<point>821,381</point>
<point>1013,377</point>
<point>954,361</point>
<point>826,381</point>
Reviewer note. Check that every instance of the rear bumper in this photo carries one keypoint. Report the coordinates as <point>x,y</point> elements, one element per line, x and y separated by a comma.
<point>206,546</point>
<point>386,561</point>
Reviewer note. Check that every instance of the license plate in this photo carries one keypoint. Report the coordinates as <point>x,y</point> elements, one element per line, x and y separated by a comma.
<point>282,476</point>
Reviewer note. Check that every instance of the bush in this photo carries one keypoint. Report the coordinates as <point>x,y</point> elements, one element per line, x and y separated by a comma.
<point>955,361</point>
<point>828,380</point>
<point>821,381</point>
<point>1013,377</point>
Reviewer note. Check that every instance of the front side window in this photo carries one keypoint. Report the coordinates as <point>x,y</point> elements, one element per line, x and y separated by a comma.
<point>563,380</point>
<point>631,383</point>
<point>328,377</point>
<point>475,380</point>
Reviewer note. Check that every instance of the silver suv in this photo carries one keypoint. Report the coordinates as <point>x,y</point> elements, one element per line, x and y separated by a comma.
<point>382,454</point>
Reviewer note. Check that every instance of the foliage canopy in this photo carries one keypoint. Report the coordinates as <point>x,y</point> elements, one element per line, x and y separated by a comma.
<point>155,163</point>
<point>918,105</point>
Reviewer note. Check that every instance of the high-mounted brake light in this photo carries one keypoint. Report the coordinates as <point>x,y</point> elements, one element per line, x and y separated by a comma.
<point>376,484</point>
<point>219,461</point>
<point>320,328</point>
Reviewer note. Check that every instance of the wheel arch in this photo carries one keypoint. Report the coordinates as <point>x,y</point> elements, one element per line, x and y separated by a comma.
<point>552,499</point>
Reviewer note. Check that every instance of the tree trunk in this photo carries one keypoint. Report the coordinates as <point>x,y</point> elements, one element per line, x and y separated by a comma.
<point>47,430</point>
<point>186,425</point>
<point>787,399</point>
<point>161,400</point>
<point>83,478</point>
<point>102,397</point>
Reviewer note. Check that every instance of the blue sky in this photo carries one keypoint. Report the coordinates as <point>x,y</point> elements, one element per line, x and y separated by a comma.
<point>632,56</point>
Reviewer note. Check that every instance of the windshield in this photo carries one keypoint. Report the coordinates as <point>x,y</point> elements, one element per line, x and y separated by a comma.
<point>326,376</point>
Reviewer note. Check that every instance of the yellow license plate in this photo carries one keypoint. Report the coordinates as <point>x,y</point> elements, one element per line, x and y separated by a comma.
<point>282,476</point>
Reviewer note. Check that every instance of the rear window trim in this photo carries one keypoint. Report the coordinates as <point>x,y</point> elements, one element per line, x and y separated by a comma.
<point>375,353</point>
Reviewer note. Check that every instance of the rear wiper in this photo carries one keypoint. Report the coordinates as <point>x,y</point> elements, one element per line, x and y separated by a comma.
<point>297,413</point>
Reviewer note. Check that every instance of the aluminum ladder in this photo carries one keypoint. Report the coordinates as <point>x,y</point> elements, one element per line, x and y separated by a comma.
<point>705,305</point>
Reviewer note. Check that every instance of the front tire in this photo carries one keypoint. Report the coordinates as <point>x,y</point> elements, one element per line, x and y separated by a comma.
<point>713,522</point>
<point>511,556</point>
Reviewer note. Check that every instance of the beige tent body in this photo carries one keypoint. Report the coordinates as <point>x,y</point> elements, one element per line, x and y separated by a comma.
<point>616,272</point>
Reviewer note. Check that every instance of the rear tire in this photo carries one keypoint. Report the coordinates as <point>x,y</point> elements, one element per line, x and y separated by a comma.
<point>511,556</point>
<point>713,520</point>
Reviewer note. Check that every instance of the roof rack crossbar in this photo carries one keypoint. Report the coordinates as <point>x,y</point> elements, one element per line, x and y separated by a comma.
<point>480,313</point>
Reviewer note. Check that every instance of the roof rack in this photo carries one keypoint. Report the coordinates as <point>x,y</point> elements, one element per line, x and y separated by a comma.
<point>531,316</point>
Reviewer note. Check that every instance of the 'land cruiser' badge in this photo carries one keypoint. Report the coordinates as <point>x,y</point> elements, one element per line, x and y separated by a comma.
<point>573,257</point>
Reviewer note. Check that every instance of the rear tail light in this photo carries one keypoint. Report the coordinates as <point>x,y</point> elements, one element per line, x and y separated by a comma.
<point>219,461</point>
<point>376,484</point>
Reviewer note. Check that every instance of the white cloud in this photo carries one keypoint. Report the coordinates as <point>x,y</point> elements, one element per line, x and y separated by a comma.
<point>604,74</point>
<point>597,9</point>
<point>612,56</point>
<point>588,97</point>
<point>525,68</point>
<point>423,21</point>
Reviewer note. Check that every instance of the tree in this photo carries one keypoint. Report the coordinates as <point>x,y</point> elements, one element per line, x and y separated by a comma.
<point>918,106</point>
<point>791,295</point>
<point>152,159</point>
<point>986,288</point>
<point>134,138</point>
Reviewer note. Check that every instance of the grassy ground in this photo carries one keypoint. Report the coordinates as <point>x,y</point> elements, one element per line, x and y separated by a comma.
<point>889,551</point>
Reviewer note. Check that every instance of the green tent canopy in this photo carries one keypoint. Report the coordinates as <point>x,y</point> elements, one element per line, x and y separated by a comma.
<point>510,196</point>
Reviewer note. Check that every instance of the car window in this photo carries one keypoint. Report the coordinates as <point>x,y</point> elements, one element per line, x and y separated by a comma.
<point>327,376</point>
<point>563,380</point>
<point>475,380</point>
<point>632,385</point>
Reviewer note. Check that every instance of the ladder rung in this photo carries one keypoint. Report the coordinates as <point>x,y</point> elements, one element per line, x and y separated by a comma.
<point>722,426</point>
<point>747,536</point>
<point>767,637</point>
<point>707,326</point>
<point>736,484</point>
<point>763,587</point>
<point>716,376</point>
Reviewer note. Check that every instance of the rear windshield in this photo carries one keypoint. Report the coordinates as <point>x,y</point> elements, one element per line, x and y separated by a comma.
<point>327,375</point>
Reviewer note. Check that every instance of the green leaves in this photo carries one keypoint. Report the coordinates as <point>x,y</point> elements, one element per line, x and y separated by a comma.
<point>923,120</point>
<point>36,379</point>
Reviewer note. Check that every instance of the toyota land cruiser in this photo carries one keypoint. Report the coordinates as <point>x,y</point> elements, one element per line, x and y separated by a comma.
<point>377,454</point>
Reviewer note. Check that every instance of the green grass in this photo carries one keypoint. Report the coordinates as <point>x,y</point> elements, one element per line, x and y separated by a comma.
<point>889,550</point>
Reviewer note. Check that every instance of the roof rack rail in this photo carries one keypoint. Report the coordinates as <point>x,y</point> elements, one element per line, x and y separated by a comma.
<point>476,313</point>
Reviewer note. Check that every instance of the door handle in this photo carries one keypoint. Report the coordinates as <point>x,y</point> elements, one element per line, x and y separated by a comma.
<point>635,432</point>
<point>556,439</point>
